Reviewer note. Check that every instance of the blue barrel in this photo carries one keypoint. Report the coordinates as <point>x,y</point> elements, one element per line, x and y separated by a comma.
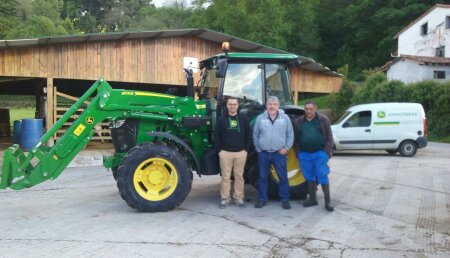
<point>16,132</point>
<point>32,131</point>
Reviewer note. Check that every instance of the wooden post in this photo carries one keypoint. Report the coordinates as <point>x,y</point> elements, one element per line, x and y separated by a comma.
<point>50,104</point>
<point>295,94</point>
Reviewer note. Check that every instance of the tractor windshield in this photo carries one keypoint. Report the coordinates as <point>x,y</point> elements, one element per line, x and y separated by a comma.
<point>277,83</point>
<point>244,81</point>
<point>252,83</point>
<point>248,81</point>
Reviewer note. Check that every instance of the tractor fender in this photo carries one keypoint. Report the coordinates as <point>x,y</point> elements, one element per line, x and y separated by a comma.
<point>182,143</point>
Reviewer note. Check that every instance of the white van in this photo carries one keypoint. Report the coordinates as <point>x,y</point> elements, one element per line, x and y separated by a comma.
<point>394,127</point>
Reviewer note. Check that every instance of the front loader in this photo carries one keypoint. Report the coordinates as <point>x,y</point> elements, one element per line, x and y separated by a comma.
<point>160,139</point>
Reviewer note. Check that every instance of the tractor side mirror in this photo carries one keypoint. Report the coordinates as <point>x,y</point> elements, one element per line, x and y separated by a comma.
<point>221,68</point>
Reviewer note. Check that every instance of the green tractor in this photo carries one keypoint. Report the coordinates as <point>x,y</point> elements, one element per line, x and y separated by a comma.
<point>160,139</point>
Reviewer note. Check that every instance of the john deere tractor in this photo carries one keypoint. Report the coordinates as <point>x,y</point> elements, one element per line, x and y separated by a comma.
<point>160,139</point>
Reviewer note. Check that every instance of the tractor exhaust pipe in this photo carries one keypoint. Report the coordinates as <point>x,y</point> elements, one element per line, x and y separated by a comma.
<point>190,82</point>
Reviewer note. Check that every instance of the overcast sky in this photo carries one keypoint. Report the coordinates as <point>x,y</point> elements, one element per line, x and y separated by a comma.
<point>159,3</point>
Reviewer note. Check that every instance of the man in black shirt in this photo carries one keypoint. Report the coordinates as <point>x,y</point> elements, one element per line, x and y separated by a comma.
<point>232,140</point>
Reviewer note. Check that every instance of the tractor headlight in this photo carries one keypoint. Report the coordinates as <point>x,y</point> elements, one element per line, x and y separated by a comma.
<point>117,123</point>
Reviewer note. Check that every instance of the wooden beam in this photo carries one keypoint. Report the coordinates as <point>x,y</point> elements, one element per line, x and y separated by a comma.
<point>295,94</point>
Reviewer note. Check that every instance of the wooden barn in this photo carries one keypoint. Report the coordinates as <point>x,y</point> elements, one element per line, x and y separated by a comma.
<point>65,66</point>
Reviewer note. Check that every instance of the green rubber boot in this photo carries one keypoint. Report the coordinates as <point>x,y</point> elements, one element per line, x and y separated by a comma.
<point>326,194</point>
<point>312,194</point>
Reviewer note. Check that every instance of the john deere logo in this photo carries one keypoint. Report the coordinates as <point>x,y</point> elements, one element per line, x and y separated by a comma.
<point>381,114</point>
<point>89,120</point>
<point>233,123</point>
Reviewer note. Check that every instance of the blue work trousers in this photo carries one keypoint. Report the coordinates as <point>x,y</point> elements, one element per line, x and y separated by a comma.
<point>265,159</point>
<point>314,166</point>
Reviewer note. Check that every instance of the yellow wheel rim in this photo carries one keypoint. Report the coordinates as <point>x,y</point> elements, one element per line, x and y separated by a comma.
<point>155,179</point>
<point>295,175</point>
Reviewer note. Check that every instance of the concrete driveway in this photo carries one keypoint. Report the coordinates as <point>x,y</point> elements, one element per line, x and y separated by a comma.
<point>385,206</point>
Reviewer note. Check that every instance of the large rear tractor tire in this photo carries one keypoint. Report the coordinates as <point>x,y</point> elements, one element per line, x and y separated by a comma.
<point>154,177</point>
<point>114,172</point>
<point>297,183</point>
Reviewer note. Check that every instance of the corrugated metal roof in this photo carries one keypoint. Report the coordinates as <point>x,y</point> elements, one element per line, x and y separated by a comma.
<point>206,34</point>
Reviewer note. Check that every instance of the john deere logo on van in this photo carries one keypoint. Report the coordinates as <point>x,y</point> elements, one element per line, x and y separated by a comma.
<point>402,114</point>
<point>381,114</point>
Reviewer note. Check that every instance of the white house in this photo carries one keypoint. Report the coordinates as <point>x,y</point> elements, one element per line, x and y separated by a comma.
<point>423,48</point>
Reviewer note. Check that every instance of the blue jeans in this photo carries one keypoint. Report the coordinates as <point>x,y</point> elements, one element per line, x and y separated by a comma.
<point>314,166</point>
<point>265,159</point>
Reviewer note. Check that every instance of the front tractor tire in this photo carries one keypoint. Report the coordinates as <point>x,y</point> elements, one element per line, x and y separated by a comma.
<point>154,177</point>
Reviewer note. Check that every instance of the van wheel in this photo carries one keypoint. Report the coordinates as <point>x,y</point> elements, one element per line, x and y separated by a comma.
<point>408,148</point>
<point>392,152</point>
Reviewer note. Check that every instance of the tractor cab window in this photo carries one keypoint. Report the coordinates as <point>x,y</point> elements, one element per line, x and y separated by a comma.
<point>244,81</point>
<point>210,84</point>
<point>277,83</point>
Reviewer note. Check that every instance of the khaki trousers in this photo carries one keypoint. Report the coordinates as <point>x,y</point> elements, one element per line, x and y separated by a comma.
<point>232,161</point>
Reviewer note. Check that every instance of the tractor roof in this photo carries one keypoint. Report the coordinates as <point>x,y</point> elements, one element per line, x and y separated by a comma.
<point>253,57</point>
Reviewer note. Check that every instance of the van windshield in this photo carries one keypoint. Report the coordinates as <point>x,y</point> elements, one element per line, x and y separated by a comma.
<point>342,117</point>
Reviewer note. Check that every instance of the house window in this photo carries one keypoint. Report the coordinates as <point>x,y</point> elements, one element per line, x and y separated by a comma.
<point>439,74</point>
<point>440,52</point>
<point>424,29</point>
<point>447,22</point>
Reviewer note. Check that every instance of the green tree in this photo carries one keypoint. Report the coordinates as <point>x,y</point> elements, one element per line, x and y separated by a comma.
<point>360,33</point>
<point>9,12</point>
<point>171,16</point>
<point>262,21</point>
<point>37,26</point>
<point>87,15</point>
<point>303,37</point>
<point>40,18</point>
<point>342,100</point>
<point>123,13</point>
<point>47,8</point>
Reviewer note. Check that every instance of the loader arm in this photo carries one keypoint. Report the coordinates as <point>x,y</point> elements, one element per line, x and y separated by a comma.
<point>23,170</point>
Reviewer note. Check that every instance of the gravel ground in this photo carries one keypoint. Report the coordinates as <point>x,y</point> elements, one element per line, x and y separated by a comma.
<point>385,206</point>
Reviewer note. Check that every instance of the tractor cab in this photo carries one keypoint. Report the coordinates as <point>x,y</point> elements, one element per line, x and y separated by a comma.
<point>250,77</point>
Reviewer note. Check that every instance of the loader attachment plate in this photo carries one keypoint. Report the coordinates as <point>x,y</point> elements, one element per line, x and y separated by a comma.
<point>12,157</point>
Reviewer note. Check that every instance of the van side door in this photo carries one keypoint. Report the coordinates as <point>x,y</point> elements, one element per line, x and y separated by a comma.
<point>355,132</point>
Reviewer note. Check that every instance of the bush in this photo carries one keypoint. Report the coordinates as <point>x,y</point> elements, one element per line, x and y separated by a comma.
<point>340,101</point>
<point>365,92</point>
<point>390,91</point>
